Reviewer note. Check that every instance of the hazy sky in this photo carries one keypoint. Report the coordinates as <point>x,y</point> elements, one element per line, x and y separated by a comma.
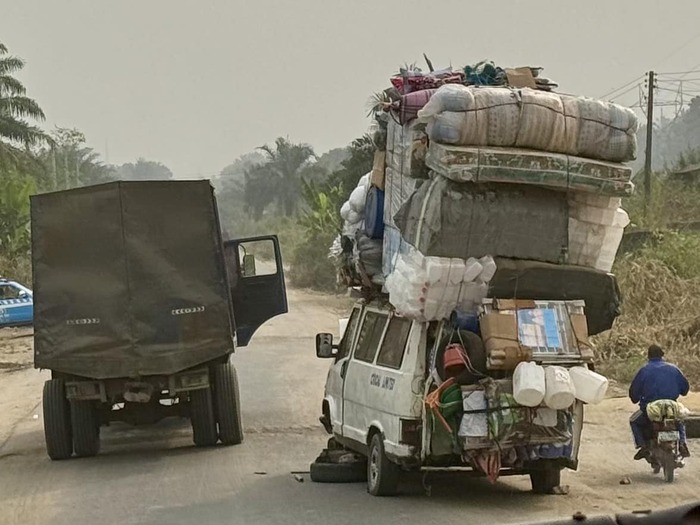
<point>194,84</point>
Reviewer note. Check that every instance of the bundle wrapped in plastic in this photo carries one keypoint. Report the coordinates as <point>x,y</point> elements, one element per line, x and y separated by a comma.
<point>596,226</point>
<point>531,119</point>
<point>368,254</point>
<point>431,288</point>
<point>353,210</point>
<point>407,146</point>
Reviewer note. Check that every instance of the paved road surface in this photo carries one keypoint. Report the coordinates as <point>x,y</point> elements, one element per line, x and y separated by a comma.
<point>153,475</point>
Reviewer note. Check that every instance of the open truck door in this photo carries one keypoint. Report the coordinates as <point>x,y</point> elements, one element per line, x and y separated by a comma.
<point>256,280</point>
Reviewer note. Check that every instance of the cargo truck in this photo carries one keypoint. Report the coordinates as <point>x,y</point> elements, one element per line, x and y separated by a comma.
<point>139,305</point>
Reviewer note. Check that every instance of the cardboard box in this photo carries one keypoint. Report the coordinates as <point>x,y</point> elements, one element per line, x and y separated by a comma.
<point>505,354</point>
<point>378,169</point>
<point>500,326</point>
<point>521,77</point>
<point>513,304</point>
<point>580,326</point>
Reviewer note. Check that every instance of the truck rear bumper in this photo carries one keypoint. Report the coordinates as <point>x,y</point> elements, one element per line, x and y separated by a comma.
<point>140,390</point>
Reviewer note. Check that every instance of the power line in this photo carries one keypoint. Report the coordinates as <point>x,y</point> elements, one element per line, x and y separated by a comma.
<point>656,105</point>
<point>637,79</point>
<point>684,73</point>
<point>616,97</point>
<point>677,49</point>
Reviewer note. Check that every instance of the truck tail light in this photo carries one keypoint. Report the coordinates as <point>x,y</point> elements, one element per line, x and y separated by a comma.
<point>411,430</point>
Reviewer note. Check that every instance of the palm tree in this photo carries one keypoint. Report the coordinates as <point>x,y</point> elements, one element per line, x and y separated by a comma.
<point>15,109</point>
<point>286,163</point>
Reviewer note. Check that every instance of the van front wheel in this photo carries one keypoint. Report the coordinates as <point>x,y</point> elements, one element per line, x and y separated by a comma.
<point>382,474</point>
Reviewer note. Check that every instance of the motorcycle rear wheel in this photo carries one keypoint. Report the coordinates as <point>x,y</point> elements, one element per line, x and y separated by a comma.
<point>669,467</point>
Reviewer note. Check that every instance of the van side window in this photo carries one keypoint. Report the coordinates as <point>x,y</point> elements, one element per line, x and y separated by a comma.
<point>370,334</point>
<point>346,341</point>
<point>394,344</point>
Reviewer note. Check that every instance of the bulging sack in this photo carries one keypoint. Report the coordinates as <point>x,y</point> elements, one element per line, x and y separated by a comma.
<point>527,118</point>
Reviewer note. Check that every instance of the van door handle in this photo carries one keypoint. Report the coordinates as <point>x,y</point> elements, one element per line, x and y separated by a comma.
<point>343,369</point>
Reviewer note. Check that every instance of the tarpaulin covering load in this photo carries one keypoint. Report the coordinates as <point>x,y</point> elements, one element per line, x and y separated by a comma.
<point>550,282</point>
<point>531,119</point>
<point>129,279</point>
<point>519,166</point>
<point>449,219</point>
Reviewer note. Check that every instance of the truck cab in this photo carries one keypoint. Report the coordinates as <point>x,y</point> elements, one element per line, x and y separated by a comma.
<point>377,402</point>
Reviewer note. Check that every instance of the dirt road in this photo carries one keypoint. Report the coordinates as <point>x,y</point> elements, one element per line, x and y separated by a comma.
<point>153,475</point>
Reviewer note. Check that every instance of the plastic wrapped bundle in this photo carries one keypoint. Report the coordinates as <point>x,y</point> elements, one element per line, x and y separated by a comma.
<point>398,188</point>
<point>531,119</point>
<point>368,253</point>
<point>431,288</point>
<point>407,146</point>
<point>596,226</point>
<point>353,210</point>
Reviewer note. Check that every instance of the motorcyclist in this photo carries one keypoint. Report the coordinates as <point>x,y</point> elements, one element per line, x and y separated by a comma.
<point>655,380</point>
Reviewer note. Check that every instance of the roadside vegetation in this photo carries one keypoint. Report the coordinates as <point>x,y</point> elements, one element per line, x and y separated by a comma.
<point>659,277</point>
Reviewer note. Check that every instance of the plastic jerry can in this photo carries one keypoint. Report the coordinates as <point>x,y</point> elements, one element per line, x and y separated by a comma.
<point>590,386</point>
<point>529,384</point>
<point>560,391</point>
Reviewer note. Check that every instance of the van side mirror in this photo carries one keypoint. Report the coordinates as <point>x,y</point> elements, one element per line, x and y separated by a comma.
<point>325,348</point>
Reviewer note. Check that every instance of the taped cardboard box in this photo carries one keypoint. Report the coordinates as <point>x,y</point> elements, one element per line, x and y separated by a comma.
<point>500,333</point>
<point>580,326</point>
<point>379,169</point>
<point>499,325</point>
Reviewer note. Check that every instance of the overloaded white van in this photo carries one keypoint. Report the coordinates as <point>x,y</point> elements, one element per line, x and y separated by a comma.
<point>380,402</point>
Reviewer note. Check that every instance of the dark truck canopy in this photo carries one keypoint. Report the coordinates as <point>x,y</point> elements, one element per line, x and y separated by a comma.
<point>129,279</point>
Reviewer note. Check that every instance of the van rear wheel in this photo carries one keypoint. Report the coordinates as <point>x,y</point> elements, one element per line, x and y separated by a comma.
<point>57,421</point>
<point>545,476</point>
<point>382,474</point>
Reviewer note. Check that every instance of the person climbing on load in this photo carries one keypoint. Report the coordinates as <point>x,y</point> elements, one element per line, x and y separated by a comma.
<point>656,380</point>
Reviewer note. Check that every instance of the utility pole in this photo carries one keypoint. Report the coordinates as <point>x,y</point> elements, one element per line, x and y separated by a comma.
<point>651,81</point>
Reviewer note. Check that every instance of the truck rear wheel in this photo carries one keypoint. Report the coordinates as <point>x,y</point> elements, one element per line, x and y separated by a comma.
<point>227,403</point>
<point>57,424</point>
<point>202,418</point>
<point>85,425</point>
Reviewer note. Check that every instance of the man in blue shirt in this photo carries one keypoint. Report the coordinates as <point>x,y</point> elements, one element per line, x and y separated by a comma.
<point>655,380</point>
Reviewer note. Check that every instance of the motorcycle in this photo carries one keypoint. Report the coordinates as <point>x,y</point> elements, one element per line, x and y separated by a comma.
<point>664,448</point>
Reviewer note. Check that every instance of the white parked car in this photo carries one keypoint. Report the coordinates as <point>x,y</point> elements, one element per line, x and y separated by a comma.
<point>374,402</point>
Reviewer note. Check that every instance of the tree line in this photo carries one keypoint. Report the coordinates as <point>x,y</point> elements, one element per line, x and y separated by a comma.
<point>33,160</point>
